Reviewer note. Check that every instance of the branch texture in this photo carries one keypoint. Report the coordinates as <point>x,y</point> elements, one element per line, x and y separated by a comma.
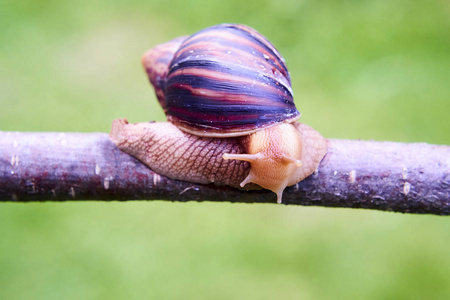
<point>409,178</point>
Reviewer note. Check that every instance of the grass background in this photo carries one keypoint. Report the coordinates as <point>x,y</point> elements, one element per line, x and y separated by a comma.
<point>360,69</point>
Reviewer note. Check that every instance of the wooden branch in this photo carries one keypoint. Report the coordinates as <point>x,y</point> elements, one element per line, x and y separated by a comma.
<point>409,178</point>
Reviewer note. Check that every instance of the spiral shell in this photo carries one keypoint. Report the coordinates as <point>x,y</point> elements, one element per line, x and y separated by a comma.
<point>226,80</point>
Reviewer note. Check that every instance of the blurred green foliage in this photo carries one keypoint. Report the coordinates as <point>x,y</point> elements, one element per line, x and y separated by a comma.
<point>360,69</point>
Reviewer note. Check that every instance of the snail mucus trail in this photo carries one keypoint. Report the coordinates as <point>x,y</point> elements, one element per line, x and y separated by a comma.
<point>227,95</point>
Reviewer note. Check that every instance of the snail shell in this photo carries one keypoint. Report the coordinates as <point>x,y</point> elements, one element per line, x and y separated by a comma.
<point>226,80</point>
<point>227,94</point>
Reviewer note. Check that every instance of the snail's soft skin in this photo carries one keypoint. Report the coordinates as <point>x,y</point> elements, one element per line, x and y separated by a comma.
<point>226,92</point>
<point>183,156</point>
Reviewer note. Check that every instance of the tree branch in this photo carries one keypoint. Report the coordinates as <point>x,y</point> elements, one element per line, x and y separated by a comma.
<point>409,178</point>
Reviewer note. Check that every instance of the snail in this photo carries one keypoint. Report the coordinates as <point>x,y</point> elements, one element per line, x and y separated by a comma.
<point>227,95</point>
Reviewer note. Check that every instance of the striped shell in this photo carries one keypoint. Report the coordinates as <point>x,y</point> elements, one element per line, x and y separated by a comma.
<point>226,80</point>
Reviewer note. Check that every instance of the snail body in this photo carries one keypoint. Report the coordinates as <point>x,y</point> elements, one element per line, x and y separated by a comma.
<point>225,89</point>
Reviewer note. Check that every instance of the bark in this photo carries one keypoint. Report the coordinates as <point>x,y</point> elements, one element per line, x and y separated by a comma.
<point>408,178</point>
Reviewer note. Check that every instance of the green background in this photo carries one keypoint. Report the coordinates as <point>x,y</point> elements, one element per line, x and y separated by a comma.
<point>360,70</point>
